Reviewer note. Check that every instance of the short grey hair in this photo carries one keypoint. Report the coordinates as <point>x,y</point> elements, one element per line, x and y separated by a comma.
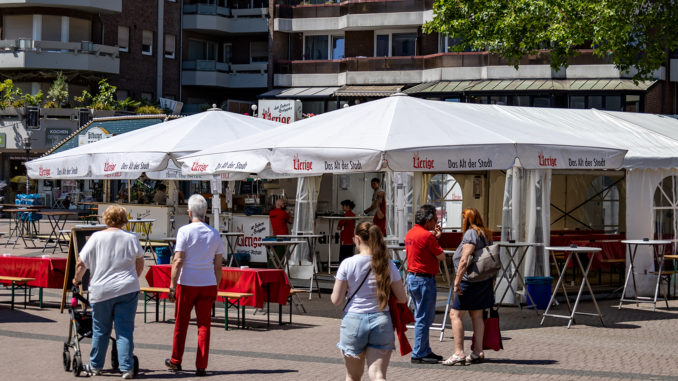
<point>198,206</point>
<point>425,214</point>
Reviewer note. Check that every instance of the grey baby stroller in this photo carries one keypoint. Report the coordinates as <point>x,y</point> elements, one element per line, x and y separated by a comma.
<point>79,328</point>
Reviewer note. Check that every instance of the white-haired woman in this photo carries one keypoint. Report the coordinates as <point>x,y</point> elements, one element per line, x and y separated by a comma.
<point>196,274</point>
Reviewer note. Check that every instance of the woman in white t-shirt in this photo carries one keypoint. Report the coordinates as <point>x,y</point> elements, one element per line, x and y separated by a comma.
<point>115,260</point>
<point>366,281</point>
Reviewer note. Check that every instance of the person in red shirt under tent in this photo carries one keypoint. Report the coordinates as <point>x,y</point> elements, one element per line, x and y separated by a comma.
<point>347,228</point>
<point>280,221</point>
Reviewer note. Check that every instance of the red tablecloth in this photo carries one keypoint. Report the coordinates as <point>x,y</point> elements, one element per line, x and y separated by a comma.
<point>48,272</point>
<point>255,281</point>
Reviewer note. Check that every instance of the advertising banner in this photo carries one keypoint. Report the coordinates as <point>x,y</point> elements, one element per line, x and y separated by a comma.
<point>255,229</point>
<point>280,110</point>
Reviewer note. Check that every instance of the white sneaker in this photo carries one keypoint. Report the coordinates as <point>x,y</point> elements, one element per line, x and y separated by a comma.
<point>91,371</point>
<point>128,375</point>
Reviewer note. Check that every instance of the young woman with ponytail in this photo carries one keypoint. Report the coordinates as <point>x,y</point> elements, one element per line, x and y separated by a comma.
<point>365,281</point>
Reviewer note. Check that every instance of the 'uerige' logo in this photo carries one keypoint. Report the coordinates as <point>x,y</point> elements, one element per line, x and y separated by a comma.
<point>108,167</point>
<point>301,165</point>
<point>43,171</point>
<point>418,162</point>
<point>546,161</point>
<point>197,167</point>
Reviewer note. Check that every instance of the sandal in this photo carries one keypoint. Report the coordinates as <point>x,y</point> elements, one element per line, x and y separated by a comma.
<point>454,360</point>
<point>474,358</point>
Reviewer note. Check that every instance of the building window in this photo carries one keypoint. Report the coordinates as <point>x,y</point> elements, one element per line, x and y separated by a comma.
<point>541,102</point>
<point>577,101</point>
<point>338,47</point>
<point>258,51</point>
<point>228,53</point>
<point>403,44</point>
<point>147,96</point>
<point>79,29</point>
<point>121,95</point>
<point>613,103</point>
<point>444,192</point>
<point>169,45</point>
<point>201,50</point>
<point>316,47</point>
<point>596,101</point>
<point>123,38</point>
<point>147,43</point>
<point>632,103</point>
<point>382,45</point>
<point>665,208</point>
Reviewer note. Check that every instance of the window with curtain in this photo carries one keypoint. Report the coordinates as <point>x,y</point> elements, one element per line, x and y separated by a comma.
<point>169,45</point>
<point>228,53</point>
<point>381,47</point>
<point>665,206</point>
<point>403,44</point>
<point>51,28</point>
<point>147,42</point>
<point>201,50</point>
<point>258,51</point>
<point>79,29</point>
<point>123,38</point>
<point>316,48</point>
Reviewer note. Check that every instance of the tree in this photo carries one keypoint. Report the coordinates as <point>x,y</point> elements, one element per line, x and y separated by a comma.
<point>58,92</point>
<point>634,34</point>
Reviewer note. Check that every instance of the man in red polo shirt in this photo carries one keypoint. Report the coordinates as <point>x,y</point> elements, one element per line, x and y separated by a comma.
<point>279,218</point>
<point>423,255</point>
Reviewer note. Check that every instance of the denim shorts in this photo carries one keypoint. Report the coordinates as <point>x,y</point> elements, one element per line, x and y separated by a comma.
<point>361,330</point>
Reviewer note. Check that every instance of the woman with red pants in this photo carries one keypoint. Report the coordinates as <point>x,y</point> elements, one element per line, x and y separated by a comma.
<point>196,274</point>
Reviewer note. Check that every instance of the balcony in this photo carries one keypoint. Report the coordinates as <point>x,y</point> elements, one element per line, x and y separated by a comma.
<point>435,67</point>
<point>219,19</point>
<point>94,6</point>
<point>221,74</point>
<point>296,16</point>
<point>54,55</point>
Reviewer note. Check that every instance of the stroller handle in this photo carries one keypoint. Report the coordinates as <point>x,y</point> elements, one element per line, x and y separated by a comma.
<point>77,297</point>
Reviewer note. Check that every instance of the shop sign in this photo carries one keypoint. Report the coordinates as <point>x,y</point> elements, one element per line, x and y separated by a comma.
<point>255,229</point>
<point>284,111</point>
<point>92,135</point>
<point>55,135</point>
<point>3,140</point>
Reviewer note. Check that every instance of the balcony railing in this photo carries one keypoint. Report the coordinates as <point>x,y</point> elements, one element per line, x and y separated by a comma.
<point>83,47</point>
<point>431,61</point>
<point>225,67</point>
<point>315,8</point>
<point>235,8</point>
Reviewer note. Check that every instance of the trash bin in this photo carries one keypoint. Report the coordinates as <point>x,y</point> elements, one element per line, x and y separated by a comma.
<point>162,255</point>
<point>539,288</point>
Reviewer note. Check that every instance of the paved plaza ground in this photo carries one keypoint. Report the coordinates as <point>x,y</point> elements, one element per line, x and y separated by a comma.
<point>636,343</point>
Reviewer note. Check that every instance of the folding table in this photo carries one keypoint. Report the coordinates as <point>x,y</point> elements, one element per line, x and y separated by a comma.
<point>658,249</point>
<point>57,221</point>
<point>332,220</point>
<point>511,270</point>
<point>311,241</point>
<point>571,251</point>
<point>231,240</point>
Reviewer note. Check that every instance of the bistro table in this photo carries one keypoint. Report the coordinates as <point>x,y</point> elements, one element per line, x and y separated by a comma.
<point>231,240</point>
<point>57,221</point>
<point>658,249</point>
<point>283,263</point>
<point>332,220</point>
<point>311,241</point>
<point>144,227</point>
<point>265,285</point>
<point>47,272</point>
<point>511,270</point>
<point>570,251</point>
<point>23,226</point>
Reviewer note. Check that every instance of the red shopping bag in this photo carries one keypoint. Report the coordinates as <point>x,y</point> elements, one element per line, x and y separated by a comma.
<point>492,334</point>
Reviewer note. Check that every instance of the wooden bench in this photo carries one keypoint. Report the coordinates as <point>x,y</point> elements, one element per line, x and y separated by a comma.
<point>293,292</point>
<point>153,294</point>
<point>20,283</point>
<point>236,297</point>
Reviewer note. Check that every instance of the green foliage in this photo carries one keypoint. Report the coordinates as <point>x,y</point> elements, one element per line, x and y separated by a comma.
<point>149,110</point>
<point>128,103</point>
<point>633,34</point>
<point>58,92</point>
<point>11,95</point>
<point>50,104</point>
<point>32,100</point>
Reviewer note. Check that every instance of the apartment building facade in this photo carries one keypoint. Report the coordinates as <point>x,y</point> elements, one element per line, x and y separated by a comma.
<point>332,53</point>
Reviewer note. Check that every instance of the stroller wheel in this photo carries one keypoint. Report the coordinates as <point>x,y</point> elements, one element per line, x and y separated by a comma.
<point>136,365</point>
<point>67,360</point>
<point>77,366</point>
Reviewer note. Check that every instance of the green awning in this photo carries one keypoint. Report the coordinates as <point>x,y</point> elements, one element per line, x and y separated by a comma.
<point>499,85</point>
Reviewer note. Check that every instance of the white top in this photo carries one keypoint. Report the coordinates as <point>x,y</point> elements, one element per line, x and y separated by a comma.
<point>353,271</point>
<point>200,243</point>
<point>111,257</point>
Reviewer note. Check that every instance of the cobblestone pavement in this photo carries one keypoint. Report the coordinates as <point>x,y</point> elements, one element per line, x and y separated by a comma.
<point>635,343</point>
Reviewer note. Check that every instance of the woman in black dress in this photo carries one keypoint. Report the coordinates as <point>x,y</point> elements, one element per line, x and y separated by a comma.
<point>470,296</point>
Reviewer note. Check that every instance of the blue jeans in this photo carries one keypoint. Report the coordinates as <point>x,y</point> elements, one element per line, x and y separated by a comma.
<point>423,293</point>
<point>121,310</point>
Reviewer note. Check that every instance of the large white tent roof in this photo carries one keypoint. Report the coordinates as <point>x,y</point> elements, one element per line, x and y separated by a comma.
<point>147,149</point>
<point>407,134</point>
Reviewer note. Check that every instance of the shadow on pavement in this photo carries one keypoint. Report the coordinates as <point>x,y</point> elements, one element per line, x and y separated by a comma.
<point>21,316</point>
<point>187,373</point>
<point>520,362</point>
